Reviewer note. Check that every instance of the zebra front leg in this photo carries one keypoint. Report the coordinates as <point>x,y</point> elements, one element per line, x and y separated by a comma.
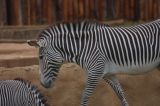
<point>114,83</point>
<point>92,81</point>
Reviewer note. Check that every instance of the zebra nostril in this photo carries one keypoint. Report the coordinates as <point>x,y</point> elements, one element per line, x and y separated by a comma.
<point>49,82</point>
<point>47,85</point>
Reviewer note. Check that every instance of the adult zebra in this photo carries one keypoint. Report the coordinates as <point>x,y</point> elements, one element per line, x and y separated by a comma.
<point>19,92</point>
<point>101,50</point>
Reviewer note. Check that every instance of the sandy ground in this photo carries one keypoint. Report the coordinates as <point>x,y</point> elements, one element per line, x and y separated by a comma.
<point>140,90</point>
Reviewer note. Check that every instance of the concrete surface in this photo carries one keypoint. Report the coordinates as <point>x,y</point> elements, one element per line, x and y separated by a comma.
<point>14,54</point>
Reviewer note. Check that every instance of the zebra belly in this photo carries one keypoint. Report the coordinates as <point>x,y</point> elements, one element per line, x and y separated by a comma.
<point>112,68</point>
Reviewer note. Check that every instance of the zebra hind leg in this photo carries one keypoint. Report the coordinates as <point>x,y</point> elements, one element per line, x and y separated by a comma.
<point>114,83</point>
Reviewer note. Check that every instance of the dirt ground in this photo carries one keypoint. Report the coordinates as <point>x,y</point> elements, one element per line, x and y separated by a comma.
<point>140,90</point>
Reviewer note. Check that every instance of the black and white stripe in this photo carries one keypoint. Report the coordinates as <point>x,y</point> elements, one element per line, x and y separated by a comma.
<point>101,50</point>
<point>128,46</point>
<point>20,93</point>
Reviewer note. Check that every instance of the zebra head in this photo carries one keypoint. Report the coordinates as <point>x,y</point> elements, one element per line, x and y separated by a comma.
<point>50,61</point>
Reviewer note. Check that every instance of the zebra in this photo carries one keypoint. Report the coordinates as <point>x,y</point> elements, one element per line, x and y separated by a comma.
<point>102,51</point>
<point>19,92</point>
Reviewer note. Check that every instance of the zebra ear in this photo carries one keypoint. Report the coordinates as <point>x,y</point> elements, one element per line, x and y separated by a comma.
<point>33,43</point>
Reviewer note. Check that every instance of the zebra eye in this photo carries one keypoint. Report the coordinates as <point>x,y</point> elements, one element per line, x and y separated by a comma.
<point>41,57</point>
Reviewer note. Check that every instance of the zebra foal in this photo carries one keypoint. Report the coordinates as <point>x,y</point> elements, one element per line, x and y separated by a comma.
<point>101,50</point>
<point>19,92</point>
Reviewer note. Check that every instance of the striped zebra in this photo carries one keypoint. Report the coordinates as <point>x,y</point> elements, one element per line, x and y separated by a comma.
<point>101,50</point>
<point>19,92</point>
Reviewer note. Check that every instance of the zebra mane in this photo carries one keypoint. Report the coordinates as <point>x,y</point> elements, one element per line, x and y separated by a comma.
<point>34,90</point>
<point>85,23</point>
